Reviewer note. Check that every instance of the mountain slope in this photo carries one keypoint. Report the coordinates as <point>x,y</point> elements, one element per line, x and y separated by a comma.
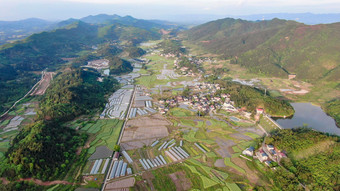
<point>46,50</point>
<point>126,20</point>
<point>274,48</point>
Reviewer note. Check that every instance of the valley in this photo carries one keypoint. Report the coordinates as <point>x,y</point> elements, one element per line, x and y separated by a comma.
<point>123,107</point>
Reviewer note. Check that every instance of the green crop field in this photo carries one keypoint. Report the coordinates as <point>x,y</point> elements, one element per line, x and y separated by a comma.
<point>190,136</point>
<point>251,135</point>
<point>233,187</point>
<point>180,112</point>
<point>150,81</point>
<point>188,122</point>
<point>106,132</point>
<point>228,162</point>
<point>236,149</point>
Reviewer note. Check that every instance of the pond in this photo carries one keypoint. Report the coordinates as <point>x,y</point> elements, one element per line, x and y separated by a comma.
<point>312,116</point>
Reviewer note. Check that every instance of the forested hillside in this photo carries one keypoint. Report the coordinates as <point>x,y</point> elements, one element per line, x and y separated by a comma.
<point>73,93</point>
<point>275,47</point>
<point>252,98</point>
<point>46,149</point>
<point>332,108</point>
<point>313,160</point>
<point>46,50</point>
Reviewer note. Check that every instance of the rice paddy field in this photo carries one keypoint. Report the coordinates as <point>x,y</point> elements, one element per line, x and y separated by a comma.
<point>104,131</point>
<point>101,131</point>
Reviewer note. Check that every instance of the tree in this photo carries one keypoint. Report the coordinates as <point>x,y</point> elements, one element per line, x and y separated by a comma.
<point>116,148</point>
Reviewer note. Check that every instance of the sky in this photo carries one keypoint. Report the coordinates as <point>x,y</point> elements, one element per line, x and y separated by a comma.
<point>157,9</point>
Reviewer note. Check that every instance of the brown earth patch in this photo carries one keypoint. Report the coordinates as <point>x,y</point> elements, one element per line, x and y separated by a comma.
<point>123,184</point>
<point>144,130</point>
<point>220,163</point>
<point>180,181</point>
<point>43,85</point>
<point>47,183</point>
<point>251,175</point>
<point>148,176</point>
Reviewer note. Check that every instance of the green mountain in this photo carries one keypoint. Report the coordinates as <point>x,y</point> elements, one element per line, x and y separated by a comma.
<point>275,47</point>
<point>127,20</point>
<point>46,50</point>
<point>45,149</point>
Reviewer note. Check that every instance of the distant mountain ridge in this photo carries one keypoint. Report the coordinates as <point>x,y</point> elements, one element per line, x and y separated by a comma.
<point>275,48</point>
<point>15,30</point>
<point>306,18</point>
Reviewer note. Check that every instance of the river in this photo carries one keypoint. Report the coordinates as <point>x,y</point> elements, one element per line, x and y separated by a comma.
<point>311,115</point>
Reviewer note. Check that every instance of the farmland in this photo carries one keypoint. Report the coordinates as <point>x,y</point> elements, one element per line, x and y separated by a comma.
<point>21,115</point>
<point>101,131</point>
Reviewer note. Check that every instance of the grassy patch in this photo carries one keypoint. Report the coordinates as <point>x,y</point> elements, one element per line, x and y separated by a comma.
<point>251,135</point>
<point>267,125</point>
<point>233,186</point>
<point>188,122</point>
<point>162,181</point>
<point>150,81</point>
<point>190,136</point>
<point>180,112</point>
<point>236,149</point>
<point>106,133</point>
<point>228,162</point>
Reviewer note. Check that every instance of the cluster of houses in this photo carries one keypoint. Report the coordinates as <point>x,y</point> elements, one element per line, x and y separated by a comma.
<point>204,98</point>
<point>265,154</point>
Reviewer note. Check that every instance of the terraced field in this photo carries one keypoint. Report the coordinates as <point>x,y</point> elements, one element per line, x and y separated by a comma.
<point>103,132</point>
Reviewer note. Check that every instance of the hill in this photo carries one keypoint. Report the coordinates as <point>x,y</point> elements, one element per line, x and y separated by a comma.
<point>273,48</point>
<point>46,149</point>
<point>332,108</point>
<point>307,18</point>
<point>126,20</point>
<point>46,50</point>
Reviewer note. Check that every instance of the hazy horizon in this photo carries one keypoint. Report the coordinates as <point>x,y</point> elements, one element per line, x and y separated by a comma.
<point>55,10</point>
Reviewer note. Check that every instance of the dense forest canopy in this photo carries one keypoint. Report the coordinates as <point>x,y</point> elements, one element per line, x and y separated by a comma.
<point>119,65</point>
<point>135,52</point>
<point>252,98</point>
<point>45,149</point>
<point>332,108</point>
<point>75,92</point>
<point>171,47</point>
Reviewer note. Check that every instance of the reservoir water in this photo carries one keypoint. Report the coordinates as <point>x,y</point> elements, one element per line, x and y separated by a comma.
<point>312,116</point>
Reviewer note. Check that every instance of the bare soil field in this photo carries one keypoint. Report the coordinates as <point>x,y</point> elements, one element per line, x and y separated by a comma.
<point>148,176</point>
<point>123,184</point>
<point>43,85</point>
<point>251,175</point>
<point>144,130</point>
<point>220,163</point>
<point>181,182</point>
<point>225,147</point>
